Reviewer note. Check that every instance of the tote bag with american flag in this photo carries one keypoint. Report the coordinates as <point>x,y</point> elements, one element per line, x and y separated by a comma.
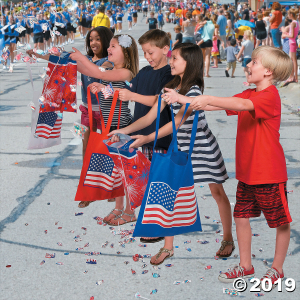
<point>169,206</point>
<point>99,179</point>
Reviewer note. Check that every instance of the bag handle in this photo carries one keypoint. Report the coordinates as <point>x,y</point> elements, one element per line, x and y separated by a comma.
<point>104,129</point>
<point>90,110</point>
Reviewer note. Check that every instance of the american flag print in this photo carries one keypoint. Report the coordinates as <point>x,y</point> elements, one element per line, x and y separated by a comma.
<point>107,91</point>
<point>169,208</point>
<point>102,173</point>
<point>48,125</point>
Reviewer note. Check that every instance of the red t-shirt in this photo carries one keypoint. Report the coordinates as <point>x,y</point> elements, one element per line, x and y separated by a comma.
<point>259,155</point>
<point>172,10</point>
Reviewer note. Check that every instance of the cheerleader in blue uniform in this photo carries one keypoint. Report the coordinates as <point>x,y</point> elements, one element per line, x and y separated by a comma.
<point>119,16</point>
<point>129,19</point>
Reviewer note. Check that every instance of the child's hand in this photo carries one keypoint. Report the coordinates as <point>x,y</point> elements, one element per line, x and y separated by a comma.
<point>125,95</point>
<point>199,102</point>
<point>140,140</point>
<point>170,96</point>
<point>30,52</point>
<point>114,137</point>
<point>96,87</point>
<point>76,55</point>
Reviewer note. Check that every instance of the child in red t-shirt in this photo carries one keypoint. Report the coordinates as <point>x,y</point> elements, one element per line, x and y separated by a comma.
<point>260,162</point>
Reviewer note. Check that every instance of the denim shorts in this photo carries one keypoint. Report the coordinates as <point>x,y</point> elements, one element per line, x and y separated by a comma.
<point>188,40</point>
<point>276,37</point>
<point>246,62</point>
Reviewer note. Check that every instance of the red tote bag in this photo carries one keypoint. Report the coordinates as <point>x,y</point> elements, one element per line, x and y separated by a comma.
<point>99,178</point>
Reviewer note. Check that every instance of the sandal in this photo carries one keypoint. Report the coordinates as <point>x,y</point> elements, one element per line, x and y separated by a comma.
<point>84,204</point>
<point>154,240</point>
<point>132,216</point>
<point>112,213</point>
<point>223,245</point>
<point>162,250</point>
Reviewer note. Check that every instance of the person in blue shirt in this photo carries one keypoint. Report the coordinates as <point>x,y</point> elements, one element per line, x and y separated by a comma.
<point>119,16</point>
<point>129,19</point>
<point>80,13</point>
<point>23,24</point>
<point>160,19</point>
<point>134,15</point>
<point>38,38</point>
<point>222,22</point>
<point>46,33</point>
<point>89,19</point>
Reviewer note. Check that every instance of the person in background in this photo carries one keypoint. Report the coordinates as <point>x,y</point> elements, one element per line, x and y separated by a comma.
<point>284,40</point>
<point>153,24</point>
<point>231,52</point>
<point>247,49</point>
<point>292,36</point>
<point>111,20</point>
<point>222,22</point>
<point>178,37</point>
<point>160,18</point>
<point>245,13</point>
<point>266,18</point>
<point>188,28</point>
<point>229,30</point>
<point>260,29</point>
<point>275,21</point>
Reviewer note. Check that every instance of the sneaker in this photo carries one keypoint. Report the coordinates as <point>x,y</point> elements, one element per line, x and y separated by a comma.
<point>236,272</point>
<point>272,274</point>
<point>226,73</point>
<point>5,67</point>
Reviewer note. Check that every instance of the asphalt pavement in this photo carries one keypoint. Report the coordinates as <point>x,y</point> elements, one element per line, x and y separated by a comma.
<point>38,212</point>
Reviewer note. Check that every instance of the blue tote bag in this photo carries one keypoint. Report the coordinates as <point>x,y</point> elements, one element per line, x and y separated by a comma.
<point>169,206</point>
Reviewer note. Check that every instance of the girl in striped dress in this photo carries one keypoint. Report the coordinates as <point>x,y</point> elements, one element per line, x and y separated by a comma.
<point>208,165</point>
<point>123,53</point>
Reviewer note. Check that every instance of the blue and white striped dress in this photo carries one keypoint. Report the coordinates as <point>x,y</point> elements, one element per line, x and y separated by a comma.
<point>207,159</point>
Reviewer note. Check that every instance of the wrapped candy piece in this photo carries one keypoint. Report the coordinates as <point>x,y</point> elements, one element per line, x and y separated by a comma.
<point>18,56</point>
<point>128,83</point>
<point>107,91</point>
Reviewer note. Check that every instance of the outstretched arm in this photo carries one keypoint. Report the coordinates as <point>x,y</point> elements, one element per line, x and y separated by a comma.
<point>86,67</point>
<point>140,140</point>
<point>126,95</point>
<point>142,122</point>
<point>226,103</point>
<point>45,57</point>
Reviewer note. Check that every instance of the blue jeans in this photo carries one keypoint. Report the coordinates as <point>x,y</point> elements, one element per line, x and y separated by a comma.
<point>276,37</point>
<point>188,40</point>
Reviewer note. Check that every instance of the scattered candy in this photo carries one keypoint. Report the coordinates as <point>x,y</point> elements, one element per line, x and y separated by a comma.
<point>208,267</point>
<point>176,282</point>
<point>48,255</point>
<point>46,231</point>
<point>42,262</point>
<point>91,261</point>
<point>144,266</point>
<point>87,244</point>
<point>203,197</point>
<point>59,227</point>
<point>259,294</point>
<point>216,257</point>
<point>187,281</point>
<point>187,242</point>
<point>107,91</point>
<point>260,250</point>
<point>156,268</point>
<point>253,255</point>
<point>8,266</point>
<point>42,99</point>
<point>202,242</point>
<point>218,231</point>
<point>133,272</point>
<point>207,217</point>
<point>142,245</point>
<point>32,106</point>
<point>66,253</point>
<point>99,282</point>
<point>155,275</point>
<point>145,272</point>
<point>59,263</point>
<point>291,191</point>
<point>255,234</point>
<point>79,214</point>
<point>138,295</point>
<point>26,224</point>
<point>169,265</point>
<point>74,106</point>
<point>153,292</point>
<point>188,249</point>
<point>59,244</point>
<point>230,292</point>
<point>126,262</point>
<point>217,240</point>
<point>265,262</point>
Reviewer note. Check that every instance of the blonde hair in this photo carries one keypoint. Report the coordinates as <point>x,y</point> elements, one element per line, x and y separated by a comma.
<point>266,13</point>
<point>276,60</point>
<point>293,12</point>
<point>131,56</point>
<point>249,34</point>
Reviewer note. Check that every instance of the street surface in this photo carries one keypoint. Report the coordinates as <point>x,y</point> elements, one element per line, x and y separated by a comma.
<point>37,194</point>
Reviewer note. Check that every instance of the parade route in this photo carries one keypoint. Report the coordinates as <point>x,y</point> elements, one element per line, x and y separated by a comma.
<point>38,212</point>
